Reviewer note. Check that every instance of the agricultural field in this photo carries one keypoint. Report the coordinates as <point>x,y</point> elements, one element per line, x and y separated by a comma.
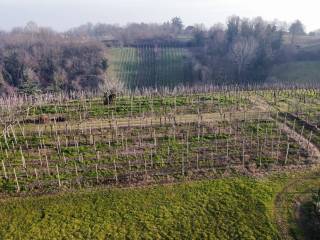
<point>145,66</point>
<point>149,156</point>
<point>296,72</point>
<point>305,42</point>
<point>299,110</point>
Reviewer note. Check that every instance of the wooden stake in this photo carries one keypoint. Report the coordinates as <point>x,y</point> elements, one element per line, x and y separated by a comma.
<point>16,179</point>
<point>58,175</point>
<point>4,169</point>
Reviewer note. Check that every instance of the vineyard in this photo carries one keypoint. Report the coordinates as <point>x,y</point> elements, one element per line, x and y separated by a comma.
<point>171,129</point>
<point>154,139</point>
<point>74,143</point>
<point>146,66</point>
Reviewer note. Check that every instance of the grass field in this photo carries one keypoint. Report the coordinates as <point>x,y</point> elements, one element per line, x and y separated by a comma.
<point>304,72</point>
<point>305,42</point>
<point>150,66</point>
<point>238,208</point>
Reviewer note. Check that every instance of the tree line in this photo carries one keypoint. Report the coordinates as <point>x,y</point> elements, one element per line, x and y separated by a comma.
<point>242,51</point>
<point>35,58</point>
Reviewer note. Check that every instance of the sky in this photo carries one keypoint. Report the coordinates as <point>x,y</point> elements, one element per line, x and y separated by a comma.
<point>64,14</point>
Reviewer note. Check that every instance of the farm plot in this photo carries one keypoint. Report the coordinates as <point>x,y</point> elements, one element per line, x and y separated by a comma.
<point>303,103</point>
<point>126,107</point>
<point>146,66</point>
<point>299,109</point>
<point>46,161</point>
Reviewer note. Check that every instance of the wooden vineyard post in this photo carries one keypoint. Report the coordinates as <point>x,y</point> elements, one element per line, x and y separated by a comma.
<point>47,163</point>
<point>14,135</point>
<point>272,148</point>
<point>64,158</point>
<point>301,134</point>
<point>294,125</point>
<point>285,119</point>
<point>287,153</point>
<point>151,158</point>
<point>36,174</point>
<point>16,179</point>
<point>98,155</point>
<point>4,169</point>
<point>154,138</point>
<point>58,175</point>
<point>115,167</point>
<point>23,160</point>
<point>188,148</point>
<point>243,150</point>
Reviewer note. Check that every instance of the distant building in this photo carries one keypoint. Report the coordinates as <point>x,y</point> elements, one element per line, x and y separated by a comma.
<point>110,41</point>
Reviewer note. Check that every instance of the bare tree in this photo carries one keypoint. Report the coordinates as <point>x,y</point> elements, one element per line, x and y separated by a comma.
<point>177,24</point>
<point>243,51</point>
<point>296,29</point>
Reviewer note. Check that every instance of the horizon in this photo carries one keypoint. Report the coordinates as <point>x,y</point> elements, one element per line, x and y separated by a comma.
<point>63,15</point>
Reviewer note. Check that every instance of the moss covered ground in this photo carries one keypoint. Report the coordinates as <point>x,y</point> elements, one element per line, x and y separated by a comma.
<point>231,208</point>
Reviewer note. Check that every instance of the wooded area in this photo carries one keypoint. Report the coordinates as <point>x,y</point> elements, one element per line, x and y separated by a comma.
<point>34,59</point>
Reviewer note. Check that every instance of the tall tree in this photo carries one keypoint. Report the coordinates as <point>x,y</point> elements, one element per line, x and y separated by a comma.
<point>177,24</point>
<point>233,28</point>
<point>243,51</point>
<point>296,29</point>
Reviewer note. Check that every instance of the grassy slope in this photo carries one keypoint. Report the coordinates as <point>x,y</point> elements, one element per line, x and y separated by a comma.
<point>303,41</point>
<point>145,67</point>
<point>238,208</point>
<point>302,71</point>
<point>297,72</point>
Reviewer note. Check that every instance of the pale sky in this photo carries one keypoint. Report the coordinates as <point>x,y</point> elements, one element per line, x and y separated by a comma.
<point>64,14</point>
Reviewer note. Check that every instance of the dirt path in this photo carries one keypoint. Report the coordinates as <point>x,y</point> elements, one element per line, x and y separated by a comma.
<point>148,121</point>
<point>312,150</point>
<point>281,222</point>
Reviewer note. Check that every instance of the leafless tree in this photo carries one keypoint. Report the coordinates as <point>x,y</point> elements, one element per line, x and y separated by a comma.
<point>296,29</point>
<point>243,51</point>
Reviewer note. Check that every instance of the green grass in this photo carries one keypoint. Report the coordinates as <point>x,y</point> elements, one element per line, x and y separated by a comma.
<point>238,208</point>
<point>303,41</point>
<point>304,72</point>
<point>299,191</point>
<point>150,67</point>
